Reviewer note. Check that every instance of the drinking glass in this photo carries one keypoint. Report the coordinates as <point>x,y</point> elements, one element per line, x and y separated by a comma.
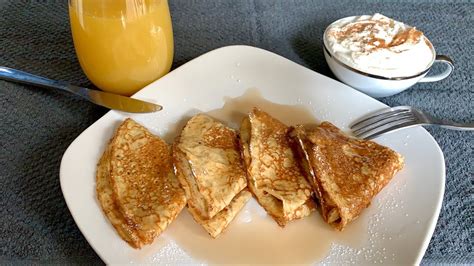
<point>122,45</point>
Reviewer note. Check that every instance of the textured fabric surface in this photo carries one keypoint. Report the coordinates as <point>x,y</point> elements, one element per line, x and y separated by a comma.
<point>37,125</point>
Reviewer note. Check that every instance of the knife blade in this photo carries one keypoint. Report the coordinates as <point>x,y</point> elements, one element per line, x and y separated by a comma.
<point>118,102</point>
<point>106,99</point>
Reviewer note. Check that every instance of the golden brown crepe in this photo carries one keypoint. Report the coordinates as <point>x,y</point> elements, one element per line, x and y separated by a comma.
<point>136,186</point>
<point>110,208</point>
<point>209,167</point>
<point>217,224</point>
<point>273,172</point>
<point>346,173</point>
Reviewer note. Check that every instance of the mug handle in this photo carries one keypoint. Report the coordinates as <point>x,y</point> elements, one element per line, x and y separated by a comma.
<point>450,67</point>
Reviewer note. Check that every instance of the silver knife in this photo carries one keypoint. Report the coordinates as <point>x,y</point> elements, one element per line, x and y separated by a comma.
<point>106,99</point>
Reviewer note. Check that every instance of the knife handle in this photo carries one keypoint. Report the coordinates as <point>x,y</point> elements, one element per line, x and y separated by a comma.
<point>15,75</point>
<point>102,98</point>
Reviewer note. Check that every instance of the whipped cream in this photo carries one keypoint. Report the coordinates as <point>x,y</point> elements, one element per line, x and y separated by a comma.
<point>379,45</point>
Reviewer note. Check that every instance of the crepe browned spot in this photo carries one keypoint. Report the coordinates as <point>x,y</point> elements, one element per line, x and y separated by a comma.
<point>110,208</point>
<point>136,186</point>
<point>209,167</point>
<point>273,172</point>
<point>346,173</point>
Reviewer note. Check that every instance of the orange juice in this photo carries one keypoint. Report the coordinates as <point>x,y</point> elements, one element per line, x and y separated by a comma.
<point>122,45</point>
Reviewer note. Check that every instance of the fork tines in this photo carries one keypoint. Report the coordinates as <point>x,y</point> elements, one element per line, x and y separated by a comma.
<point>384,121</point>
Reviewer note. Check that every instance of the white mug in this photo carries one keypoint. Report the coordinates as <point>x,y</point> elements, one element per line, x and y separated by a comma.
<point>380,86</point>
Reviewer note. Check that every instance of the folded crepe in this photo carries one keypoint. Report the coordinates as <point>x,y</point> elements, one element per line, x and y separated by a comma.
<point>217,224</point>
<point>273,172</point>
<point>209,167</point>
<point>346,173</point>
<point>136,186</point>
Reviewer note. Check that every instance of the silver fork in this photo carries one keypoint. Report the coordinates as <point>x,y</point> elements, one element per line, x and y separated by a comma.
<point>395,118</point>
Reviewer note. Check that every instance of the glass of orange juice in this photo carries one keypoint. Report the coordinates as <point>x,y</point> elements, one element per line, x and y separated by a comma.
<point>122,45</point>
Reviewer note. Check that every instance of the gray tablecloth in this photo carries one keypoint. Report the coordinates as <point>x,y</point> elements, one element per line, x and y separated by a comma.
<point>37,125</point>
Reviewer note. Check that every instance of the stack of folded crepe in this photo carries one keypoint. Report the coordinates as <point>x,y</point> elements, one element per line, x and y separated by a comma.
<point>290,171</point>
<point>346,173</point>
<point>209,167</point>
<point>136,186</point>
<point>273,172</point>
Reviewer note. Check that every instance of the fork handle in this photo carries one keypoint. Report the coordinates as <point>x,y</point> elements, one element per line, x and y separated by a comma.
<point>457,126</point>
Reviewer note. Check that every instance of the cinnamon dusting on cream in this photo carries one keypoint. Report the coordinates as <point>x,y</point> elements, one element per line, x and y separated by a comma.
<point>379,45</point>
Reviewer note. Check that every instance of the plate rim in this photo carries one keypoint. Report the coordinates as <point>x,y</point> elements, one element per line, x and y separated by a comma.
<point>433,221</point>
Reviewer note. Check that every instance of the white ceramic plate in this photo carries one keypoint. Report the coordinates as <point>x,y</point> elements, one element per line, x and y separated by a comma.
<point>396,228</point>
